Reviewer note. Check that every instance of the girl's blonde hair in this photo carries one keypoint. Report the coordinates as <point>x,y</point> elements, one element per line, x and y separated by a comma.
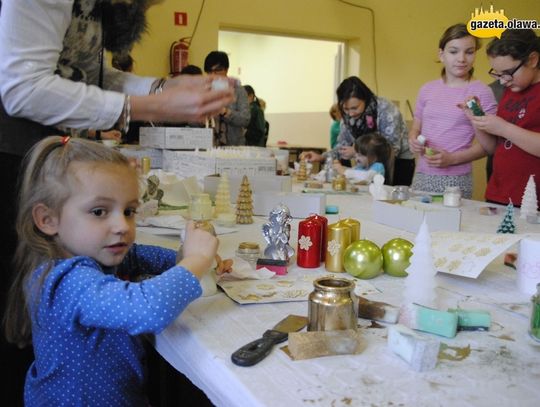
<point>45,179</point>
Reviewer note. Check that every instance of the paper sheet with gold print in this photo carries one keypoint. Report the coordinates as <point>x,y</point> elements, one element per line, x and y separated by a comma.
<point>282,289</point>
<point>468,254</point>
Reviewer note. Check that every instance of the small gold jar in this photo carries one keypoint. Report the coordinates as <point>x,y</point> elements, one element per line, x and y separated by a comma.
<point>339,183</point>
<point>331,306</point>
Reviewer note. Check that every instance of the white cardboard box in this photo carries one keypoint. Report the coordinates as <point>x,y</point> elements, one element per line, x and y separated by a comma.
<point>276,183</point>
<point>191,163</point>
<point>155,154</point>
<point>408,215</point>
<point>176,138</point>
<point>300,205</point>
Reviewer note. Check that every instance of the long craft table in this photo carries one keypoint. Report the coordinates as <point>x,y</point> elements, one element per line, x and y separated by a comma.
<point>500,367</point>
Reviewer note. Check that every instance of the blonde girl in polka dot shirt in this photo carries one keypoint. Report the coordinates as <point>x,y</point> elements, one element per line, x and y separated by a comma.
<point>76,228</point>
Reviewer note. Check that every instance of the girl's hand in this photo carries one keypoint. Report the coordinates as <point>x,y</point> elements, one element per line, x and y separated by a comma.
<point>347,152</point>
<point>415,146</point>
<point>199,250</point>
<point>475,110</point>
<point>489,123</point>
<point>440,159</point>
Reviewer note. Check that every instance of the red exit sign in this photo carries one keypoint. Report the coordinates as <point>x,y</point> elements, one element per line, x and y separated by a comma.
<point>180,18</point>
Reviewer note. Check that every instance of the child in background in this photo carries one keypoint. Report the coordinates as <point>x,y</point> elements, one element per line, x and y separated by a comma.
<point>372,157</point>
<point>363,112</point>
<point>445,159</point>
<point>335,114</point>
<point>513,134</point>
<point>75,295</point>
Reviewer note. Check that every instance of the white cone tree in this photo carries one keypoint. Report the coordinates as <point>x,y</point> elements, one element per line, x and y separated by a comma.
<point>420,284</point>
<point>223,196</point>
<point>529,200</point>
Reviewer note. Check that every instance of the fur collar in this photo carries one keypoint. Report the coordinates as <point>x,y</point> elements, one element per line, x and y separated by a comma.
<point>124,22</point>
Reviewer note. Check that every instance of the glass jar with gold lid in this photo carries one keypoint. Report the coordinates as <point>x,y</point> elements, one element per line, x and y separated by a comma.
<point>249,251</point>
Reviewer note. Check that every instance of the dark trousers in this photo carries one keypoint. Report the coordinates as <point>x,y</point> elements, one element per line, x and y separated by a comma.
<point>403,171</point>
<point>166,387</point>
<point>489,166</point>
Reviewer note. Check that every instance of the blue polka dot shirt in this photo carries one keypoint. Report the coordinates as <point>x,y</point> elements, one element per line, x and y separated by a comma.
<point>86,324</point>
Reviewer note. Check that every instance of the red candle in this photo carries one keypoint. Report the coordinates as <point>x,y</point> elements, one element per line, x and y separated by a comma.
<point>324,223</point>
<point>309,243</point>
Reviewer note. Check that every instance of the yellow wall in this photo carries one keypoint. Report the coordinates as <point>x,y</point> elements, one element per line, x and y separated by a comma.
<point>327,19</point>
<point>406,36</point>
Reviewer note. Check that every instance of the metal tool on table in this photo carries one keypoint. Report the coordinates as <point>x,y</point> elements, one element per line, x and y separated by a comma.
<point>255,351</point>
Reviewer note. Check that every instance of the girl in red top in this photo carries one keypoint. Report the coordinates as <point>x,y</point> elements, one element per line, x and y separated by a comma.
<point>514,133</point>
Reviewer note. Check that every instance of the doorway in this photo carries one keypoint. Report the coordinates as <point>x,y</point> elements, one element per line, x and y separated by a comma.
<point>296,77</point>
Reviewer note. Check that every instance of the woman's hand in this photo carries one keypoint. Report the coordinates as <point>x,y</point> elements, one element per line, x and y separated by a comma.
<point>339,168</point>
<point>185,98</point>
<point>115,135</point>
<point>347,152</point>
<point>310,156</point>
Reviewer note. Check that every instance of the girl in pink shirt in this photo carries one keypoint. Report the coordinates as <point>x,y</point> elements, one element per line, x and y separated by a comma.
<point>444,159</point>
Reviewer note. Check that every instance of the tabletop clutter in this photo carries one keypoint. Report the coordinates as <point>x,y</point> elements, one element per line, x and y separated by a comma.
<point>417,325</point>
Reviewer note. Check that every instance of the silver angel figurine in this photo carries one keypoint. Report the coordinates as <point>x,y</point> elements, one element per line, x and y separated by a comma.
<point>276,232</point>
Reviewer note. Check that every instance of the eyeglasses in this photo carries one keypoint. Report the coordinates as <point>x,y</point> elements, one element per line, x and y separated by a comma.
<point>506,76</point>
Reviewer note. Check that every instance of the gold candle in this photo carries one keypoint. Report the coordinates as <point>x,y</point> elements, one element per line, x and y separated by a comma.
<point>146,164</point>
<point>355,228</point>
<point>339,237</point>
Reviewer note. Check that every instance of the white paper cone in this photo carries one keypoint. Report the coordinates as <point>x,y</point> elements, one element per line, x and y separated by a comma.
<point>528,265</point>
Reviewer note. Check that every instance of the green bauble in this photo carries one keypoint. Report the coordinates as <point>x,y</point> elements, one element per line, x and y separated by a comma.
<point>363,259</point>
<point>396,254</point>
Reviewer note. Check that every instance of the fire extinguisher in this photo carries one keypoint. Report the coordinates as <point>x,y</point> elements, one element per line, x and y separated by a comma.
<point>179,54</point>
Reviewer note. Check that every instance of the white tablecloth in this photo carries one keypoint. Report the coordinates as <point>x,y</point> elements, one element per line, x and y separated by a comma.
<point>503,367</point>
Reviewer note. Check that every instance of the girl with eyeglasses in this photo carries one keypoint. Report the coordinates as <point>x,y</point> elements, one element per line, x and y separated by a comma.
<point>513,134</point>
<point>446,149</point>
